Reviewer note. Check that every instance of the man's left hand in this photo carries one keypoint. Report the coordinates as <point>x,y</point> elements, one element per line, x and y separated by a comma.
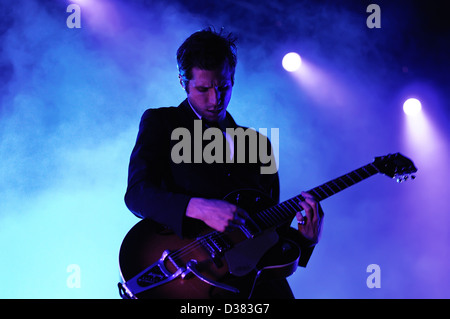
<point>310,225</point>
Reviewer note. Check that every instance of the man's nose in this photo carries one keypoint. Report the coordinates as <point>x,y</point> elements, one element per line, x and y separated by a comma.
<point>214,96</point>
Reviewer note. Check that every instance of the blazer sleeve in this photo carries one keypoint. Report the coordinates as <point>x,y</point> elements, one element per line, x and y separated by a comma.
<point>147,195</point>
<point>306,247</point>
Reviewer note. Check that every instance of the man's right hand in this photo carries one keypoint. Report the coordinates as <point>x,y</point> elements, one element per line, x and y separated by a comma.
<point>217,214</point>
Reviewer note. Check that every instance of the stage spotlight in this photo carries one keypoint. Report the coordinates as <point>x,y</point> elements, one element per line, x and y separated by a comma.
<point>412,107</point>
<point>291,62</point>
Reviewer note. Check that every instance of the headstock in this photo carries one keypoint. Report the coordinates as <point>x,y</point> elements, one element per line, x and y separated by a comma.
<point>395,166</point>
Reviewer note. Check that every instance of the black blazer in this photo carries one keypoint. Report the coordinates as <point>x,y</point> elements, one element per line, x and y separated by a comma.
<point>159,189</point>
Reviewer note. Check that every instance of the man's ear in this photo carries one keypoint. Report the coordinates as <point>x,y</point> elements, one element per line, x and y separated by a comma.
<point>183,83</point>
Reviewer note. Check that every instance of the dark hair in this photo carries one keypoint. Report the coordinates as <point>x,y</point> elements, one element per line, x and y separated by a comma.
<point>207,50</point>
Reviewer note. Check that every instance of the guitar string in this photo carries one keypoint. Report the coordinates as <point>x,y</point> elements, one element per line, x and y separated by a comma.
<point>195,244</point>
<point>210,236</point>
<point>217,235</point>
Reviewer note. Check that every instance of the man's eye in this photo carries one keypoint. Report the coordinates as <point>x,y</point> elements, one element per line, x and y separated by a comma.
<point>224,88</point>
<point>202,89</point>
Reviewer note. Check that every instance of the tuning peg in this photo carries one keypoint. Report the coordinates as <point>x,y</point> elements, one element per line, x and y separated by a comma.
<point>402,178</point>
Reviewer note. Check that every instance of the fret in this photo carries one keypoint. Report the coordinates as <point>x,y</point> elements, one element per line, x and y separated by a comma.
<point>321,187</point>
<point>294,204</point>
<point>292,209</point>
<point>376,170</point>
<point>263,216</point>
<point>355,172</point>
<point>362,173</point>
<point>281,210</point>
<point>318,193</point>
<point>355,177</point>
<point>372,169</point>
<point>364,169</point>
<point>268,214</point>
<point>285,210</point>
<point>275,213</point>
<point>260,221</point>
<point>324,191</point>
<point>348,180</point>
<point>341,183</point>
<point>332,192</point>
<point>278,214</point>
<point>336,187</point>
<point>315,193</point>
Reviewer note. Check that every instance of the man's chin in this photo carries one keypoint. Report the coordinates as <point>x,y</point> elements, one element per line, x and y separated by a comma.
<point>215,117</point>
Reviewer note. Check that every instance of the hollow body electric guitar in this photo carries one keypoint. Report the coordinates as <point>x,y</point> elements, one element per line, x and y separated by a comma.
<point>156,263</point>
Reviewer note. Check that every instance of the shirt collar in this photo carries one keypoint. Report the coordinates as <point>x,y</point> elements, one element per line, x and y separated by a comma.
<point>198,115</point>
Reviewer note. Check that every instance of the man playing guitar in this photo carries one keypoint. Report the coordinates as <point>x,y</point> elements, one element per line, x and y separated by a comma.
<point>184,197</point>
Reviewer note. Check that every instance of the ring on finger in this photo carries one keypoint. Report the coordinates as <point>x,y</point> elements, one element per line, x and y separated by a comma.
<point>303,221</point>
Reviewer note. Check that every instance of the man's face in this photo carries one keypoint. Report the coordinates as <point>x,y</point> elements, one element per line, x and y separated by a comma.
<point>209,92</point>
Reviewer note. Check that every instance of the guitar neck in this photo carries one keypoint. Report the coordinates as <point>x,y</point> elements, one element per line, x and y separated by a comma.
<point>336,185</point>
<point>285,211</point>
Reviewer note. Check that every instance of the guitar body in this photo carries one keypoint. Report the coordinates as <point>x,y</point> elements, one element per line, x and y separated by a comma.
<point>156,263</point>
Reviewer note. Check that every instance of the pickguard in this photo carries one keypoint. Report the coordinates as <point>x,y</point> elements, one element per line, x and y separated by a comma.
<point>244,257</point>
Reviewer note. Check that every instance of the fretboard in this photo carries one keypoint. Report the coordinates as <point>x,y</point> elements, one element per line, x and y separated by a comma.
<point>285,211</point>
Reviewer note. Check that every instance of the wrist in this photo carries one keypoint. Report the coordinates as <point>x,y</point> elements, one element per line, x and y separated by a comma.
<point>192,209</point>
